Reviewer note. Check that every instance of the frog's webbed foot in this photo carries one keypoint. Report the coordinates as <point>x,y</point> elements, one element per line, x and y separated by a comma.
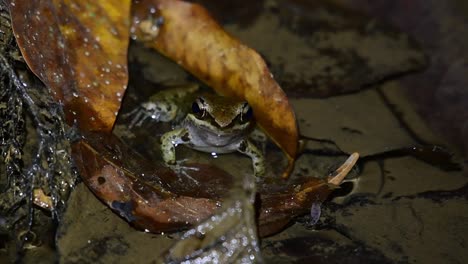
<point>248,148</point>
<point>182,170</point>
<point>158,111</point>
<point>139,116</point>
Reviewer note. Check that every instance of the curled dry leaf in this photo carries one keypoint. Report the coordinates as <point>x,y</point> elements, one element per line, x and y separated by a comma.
<point>79,50</point>
<point>187,34</point>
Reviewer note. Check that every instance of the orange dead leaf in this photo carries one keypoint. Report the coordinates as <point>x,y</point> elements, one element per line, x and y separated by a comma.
<point>79,50</point>
<point>187,34</point>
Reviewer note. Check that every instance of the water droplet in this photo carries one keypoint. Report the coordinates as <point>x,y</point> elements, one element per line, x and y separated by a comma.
<point>107,82</point>
<point>86,53</point>
<point>114,31</point>
<point>150,27</point>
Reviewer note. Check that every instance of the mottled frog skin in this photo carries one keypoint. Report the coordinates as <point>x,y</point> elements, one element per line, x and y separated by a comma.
<point>215,124</point>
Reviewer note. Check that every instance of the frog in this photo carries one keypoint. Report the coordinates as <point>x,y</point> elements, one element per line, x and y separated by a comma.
<point>168,105</point>
<point>215,124</point>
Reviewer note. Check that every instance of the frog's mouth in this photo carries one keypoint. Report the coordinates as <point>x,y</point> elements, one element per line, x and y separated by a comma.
<point>209,125</point>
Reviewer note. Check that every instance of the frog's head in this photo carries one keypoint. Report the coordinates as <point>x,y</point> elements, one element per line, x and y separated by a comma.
<point>222,113</point>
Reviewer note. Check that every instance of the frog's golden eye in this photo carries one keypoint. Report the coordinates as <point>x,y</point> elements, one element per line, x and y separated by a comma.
<point>247,113</point>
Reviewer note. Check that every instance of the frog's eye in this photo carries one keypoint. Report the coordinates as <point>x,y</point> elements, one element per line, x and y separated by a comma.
<point>196,109</point>
<point>247,113</point>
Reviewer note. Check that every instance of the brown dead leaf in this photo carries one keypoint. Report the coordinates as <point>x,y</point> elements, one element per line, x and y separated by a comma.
<point>79,50</point>
<point>187,34</point>
<point>279,208</point>
<point>139,191</point>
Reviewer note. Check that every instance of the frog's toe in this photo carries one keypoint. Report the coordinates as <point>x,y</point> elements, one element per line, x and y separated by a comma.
<point>139,117</point>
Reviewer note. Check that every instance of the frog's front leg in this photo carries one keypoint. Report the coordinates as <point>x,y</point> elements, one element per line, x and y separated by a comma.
<point>170,140</point>
<point>248,148</point>
<point>159,111</point>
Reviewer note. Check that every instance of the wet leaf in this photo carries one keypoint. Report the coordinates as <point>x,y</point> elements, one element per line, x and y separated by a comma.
<point>187,34</point>
<point>137,190</point>
<point>79,50</point>
<point>279,208</point>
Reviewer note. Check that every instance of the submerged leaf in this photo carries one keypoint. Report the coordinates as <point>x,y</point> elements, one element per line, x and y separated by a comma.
<point>186,33</point>
<point>79,50</point>
<point>141,192</point>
